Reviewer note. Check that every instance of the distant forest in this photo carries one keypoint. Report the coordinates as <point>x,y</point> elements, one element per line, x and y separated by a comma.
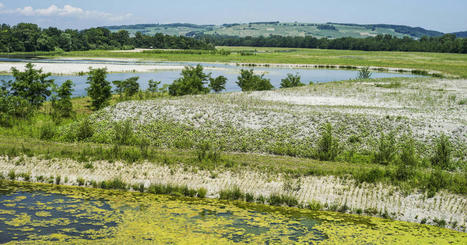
<point>447,43</point>
<point>30,38</point>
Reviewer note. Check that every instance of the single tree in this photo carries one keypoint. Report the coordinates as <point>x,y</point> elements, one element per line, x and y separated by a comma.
<point>217,84</point>
<point>248,81</point>
<point>192,82</point>
<point>291,81</point>
<point>61,100</point>
<point>31,85</point>
<point>99,88</point>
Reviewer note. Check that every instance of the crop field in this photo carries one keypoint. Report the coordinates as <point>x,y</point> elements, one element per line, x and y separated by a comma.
<point>266,29</point>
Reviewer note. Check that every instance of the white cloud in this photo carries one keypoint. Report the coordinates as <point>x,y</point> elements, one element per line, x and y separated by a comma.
<point>66,11</point>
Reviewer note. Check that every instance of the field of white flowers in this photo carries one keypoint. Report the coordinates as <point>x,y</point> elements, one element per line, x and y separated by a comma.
<point>288,121</point>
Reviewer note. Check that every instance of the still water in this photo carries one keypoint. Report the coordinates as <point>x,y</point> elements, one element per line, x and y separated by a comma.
<point>228,70</point>
<point>38,214</point>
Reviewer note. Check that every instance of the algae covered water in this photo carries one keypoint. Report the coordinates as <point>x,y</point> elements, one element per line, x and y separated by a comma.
<point>31,213</point>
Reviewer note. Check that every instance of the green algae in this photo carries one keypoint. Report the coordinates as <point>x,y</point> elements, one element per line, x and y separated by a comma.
<point>82,215</point>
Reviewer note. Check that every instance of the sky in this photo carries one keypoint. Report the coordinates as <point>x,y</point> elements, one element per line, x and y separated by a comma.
<point>445,16</point>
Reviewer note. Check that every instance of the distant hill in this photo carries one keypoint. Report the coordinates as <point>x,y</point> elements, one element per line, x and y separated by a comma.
<point>461,34</point>
<point>256,29</point>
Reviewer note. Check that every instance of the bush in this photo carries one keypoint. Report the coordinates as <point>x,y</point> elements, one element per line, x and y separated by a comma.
<point>202,192</point>
<point>442,155</point>
<point>217,84</point>
<point>205,151</point>
<point>127,88</point>
<point>364,73</point>
<point>46,131</point>
<point>84,130</point>
<point>61,100</point>
<point>248,81</point>
<point>99,88</point>
<point>279,200</point>
<point>291,81</point>
<point>113,184</point>
<point>123,133</point>
<point>328,146</point>
<point>153,86</point>
<point>315,206</point>
<point>192,82</point>
<point>387,149</point>
<point>232,194</point>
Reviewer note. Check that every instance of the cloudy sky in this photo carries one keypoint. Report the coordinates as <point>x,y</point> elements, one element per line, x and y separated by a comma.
<point>446,15</point>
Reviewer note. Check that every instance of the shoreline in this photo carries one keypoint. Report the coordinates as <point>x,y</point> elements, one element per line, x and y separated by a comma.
<point>332,193</point>
<point>76,68</point>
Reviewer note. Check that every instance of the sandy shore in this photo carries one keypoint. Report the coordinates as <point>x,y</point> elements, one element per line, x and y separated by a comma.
<point>74,68</point>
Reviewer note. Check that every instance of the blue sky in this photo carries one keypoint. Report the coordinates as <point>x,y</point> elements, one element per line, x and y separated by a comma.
<point>446,15</point>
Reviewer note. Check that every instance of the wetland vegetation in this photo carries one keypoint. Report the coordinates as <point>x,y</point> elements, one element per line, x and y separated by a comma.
<point>303,159</point>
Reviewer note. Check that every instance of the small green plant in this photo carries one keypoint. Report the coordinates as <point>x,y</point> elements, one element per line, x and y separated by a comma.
<point>328,146</point>
<point>364,73</point>
<point>84,130</point>
<point>80,181</point>
<point>249,197</point>
<point>232,194</point>
<point>205,151</point>
<point>88,165</point>
<point>387,149</point>
<point>291,81</point>
<point>123,133</point>
<point>315,205</point>
<point>202,192</point>
<point>46,131</point>
<point>442,155</point>
<point>12,175</point>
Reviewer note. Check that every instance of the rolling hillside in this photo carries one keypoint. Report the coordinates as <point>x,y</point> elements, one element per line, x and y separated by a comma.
<point>256,29</point>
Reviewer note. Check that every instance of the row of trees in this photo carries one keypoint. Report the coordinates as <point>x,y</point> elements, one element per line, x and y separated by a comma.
<point>26,37</point>
<point>20,97</point>
<point>28,92</point>
<point>194,81</point>
<point>445,44</point>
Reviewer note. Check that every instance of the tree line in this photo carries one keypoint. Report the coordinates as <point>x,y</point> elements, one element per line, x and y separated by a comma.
<point>447,43</point>
<point>26,37</point>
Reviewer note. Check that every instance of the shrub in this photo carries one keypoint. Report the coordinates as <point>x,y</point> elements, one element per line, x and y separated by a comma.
<point>192,82</point>
<point>232,194</point>
<point>279,200</point>
<point>328,146</point>
<point>61,100</point>
<point>205,151</point>
<point>128,87</point>
<point>249,197</point>
<point>248,81</point>
<point>442,155</point>
<point>364,73</point>
<point>202,192</point>
<point>315,206</point>
<point>291,81</point>
<point>153,86</point>
<point>217,84</point>
<point>99,88</point>
<point>387,149</point>
<point>31,85</point>
<point>408,155</point>
<point>123,133</point>
<point>46,131</point>
<point>113,184</point>
<point>85,130</point>
<point>80,181</point>
<point>12,175</point>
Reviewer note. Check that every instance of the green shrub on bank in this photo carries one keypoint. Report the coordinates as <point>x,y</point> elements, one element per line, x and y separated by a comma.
<point>328,145</point>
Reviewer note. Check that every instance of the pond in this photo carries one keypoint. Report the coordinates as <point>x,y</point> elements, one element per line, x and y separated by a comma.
<point>37,213</point>
<point>230,71</point>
